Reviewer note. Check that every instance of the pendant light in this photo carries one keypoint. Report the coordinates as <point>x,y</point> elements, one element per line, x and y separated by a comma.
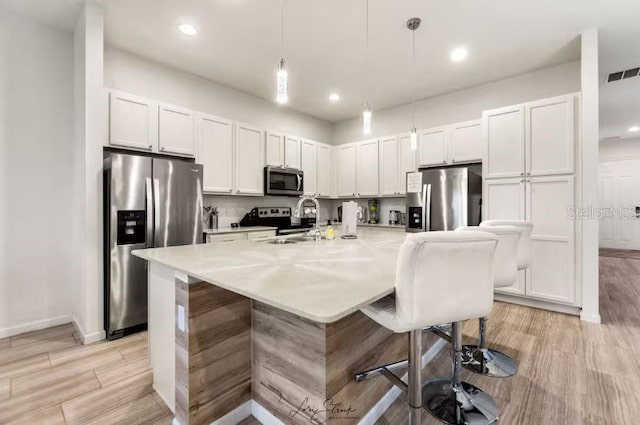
<point>413,24</point>
<point>282,77</point>
<point>366,113</point>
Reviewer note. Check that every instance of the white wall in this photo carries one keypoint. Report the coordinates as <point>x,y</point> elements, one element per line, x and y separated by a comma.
<point>36,179</point>
<point>124,71</point>
<point>620,149</point>
<point>466,104</point>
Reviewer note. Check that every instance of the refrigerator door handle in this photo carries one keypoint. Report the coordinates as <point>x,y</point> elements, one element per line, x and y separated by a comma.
<point>156,211</point>
<point>426,195</point>
<point>150,210</point>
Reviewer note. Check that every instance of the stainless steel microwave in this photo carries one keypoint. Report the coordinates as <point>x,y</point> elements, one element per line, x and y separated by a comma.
<point>283,181</point>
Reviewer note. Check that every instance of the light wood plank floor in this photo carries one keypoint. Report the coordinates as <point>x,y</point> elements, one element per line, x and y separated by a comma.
<point>570,372</point>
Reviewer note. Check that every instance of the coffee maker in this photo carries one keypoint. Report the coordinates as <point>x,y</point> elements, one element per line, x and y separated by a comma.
<point>394,217</point>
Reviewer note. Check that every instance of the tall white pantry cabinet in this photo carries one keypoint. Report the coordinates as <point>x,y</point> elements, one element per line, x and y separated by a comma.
<point>529,174</point>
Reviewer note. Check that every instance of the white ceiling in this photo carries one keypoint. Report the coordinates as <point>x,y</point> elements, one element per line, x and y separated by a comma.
<point>239,44</point>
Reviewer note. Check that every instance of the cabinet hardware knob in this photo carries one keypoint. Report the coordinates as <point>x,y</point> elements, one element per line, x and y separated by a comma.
<point>528,173</point>
<point>162,148</point>
<point>522,174</point>
<point>150,146</point>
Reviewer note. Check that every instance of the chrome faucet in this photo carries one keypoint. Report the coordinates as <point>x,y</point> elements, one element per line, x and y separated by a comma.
<point>315,232</point>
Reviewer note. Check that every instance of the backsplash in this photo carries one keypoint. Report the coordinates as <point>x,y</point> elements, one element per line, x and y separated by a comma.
<point>231,209</point>
<point>386,205</point>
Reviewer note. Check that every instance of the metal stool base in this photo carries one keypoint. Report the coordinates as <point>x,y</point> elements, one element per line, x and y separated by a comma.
<point>488,362</point>
<point>471,407</point>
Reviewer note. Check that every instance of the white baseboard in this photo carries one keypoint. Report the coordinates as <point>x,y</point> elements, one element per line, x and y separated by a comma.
<point>263,415</point>
<point>544,305</point>
<point>390,397</point>
<point>34,326</point>
<point>236,415</point>
<point>87,338</point>
<point>592,318</point>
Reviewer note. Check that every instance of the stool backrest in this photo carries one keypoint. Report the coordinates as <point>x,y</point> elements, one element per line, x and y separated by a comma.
<point>505,270</point>
<point>444,277</point>
<point>524,246</point>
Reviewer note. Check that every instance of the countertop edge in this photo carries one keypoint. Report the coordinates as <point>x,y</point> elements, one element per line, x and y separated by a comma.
<point>314,318</point>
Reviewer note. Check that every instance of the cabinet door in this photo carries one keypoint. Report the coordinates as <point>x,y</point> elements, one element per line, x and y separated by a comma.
<point>504,199</point>
<point>367,168</point>
<point>274,149</point>
<point>432,147</point>
<point>389,166</point>
<point>503,135</point>
<point>177,130</point>
<point>292,152</point>
<point>466,142</point>
<point>249,160</point>
<point>347,170</point>
<point>324,170</point>
<point>309,162</point>
<point>133,121</point>
<point>406,161</point>
<point>550,136</point>
<point>215,153</point>
<point>552,272</point>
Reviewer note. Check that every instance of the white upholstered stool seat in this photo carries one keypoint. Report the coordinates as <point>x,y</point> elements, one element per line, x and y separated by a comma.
<point>441,277</point>
<point>479,358</point>
<point>524,245</point>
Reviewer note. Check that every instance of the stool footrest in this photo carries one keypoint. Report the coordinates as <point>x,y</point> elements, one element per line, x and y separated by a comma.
<point>390,371</point>
<point>443,331</point>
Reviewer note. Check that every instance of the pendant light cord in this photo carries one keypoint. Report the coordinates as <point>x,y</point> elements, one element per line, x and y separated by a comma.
<point>282,28</point>
<point>366,51</point>
<point>413,82</point>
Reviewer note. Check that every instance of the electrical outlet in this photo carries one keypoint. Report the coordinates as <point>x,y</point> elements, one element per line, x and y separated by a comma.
<point>181,319</point>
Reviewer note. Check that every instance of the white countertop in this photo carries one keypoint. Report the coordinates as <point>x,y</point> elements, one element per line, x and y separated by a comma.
<point>223,230</point>
<point>323,281</point>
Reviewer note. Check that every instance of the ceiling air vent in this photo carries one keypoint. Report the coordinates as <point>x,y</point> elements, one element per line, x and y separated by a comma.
<point>623,75</point>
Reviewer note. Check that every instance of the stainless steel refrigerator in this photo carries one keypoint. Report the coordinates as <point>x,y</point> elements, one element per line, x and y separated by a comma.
<point>148,202</point>
<point>444,198</point>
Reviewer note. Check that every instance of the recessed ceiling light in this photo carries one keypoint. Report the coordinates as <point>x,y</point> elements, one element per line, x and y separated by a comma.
<point>334,97</point>
<point>188,29</point>
<point>458,54</point>
<point>634,129</point>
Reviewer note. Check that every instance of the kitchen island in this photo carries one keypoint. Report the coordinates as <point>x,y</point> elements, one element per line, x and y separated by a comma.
<point>271,325</point>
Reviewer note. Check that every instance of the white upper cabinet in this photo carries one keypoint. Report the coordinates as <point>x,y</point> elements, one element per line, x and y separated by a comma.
<point>346,170</point>
<point>503,134</point>
<point>432,146</point>
<point>177,130</point>
<point>389,174</point>
<point>249,160</point>
<point>466,142</point>
<point>215,153</point>
<point>550,136</point>
<point>406,161</point>
<point>274,149</point>
<point>309,162</point>
<point>325,170</point>
<point>132,121</point>
<point>367,168</point>
<point>292,152</point>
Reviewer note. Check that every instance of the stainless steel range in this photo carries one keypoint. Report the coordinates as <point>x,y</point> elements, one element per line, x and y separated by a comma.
<point>279,217</point>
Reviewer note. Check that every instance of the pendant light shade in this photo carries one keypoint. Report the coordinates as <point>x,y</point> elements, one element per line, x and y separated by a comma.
<point>282,83</point>
<point>366,119</point>
<point>282,76</point>
<point>414,139</point>
<point>366,113</point>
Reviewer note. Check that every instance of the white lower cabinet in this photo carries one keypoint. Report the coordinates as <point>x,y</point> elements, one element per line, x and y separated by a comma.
<point>249,160</point>
<point>546,202</point>
<point>226,237</point>
<point>215,153</point>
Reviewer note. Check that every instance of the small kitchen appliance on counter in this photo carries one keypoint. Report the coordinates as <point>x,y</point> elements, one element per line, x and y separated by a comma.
<point>374,211</point>
<point>394,217</point>
<point>279,217</point>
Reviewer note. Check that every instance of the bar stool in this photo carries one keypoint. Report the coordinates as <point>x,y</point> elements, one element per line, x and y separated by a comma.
<point>441,277</point>
<point>479,358</point>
